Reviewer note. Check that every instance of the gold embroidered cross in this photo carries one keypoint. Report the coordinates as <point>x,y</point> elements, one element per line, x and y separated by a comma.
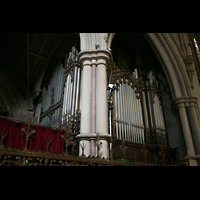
<point>29,133</point>
<point>68,140</point>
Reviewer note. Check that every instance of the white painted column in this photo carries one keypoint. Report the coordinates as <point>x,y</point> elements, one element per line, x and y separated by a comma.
<point>93,110</point>
<point>86,58</point>
<point>85,107</point>
<point>102,107</point>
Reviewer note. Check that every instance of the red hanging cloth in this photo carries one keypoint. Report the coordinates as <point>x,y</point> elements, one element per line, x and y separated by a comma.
<point>16,140</point>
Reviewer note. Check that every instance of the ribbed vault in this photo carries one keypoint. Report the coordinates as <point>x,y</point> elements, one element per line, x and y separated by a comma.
<point>26,58</point>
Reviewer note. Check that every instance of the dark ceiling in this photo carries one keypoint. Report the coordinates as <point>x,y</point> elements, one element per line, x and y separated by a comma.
<point>127,45</point>
<point>25,56</point>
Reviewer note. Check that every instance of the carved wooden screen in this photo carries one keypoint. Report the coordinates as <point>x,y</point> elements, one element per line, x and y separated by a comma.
<point>61,97</point>
<point>137,111</point>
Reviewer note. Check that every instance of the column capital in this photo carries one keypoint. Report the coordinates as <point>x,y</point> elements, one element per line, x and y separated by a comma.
<point>92,136</point>
<point>94,55</point>
<point>188,59</point>
<point>184,102</point>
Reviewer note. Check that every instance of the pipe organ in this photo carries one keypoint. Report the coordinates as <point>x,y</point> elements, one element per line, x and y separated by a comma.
<point>155,105</point>
<point>61,96</point>
<point>137,114</point>
<point>51,98</point>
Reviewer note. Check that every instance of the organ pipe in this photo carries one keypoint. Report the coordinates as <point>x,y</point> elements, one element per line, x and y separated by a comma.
<point>61,108</point>
<point>137,108</point>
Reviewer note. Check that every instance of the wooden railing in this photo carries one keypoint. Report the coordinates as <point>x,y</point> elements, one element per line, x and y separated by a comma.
<point>26,156</point>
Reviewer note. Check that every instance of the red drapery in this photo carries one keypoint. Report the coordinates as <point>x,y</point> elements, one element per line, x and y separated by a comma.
<point>15,139</point>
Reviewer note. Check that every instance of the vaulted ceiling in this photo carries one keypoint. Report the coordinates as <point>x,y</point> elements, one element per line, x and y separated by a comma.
<point>24,57</point>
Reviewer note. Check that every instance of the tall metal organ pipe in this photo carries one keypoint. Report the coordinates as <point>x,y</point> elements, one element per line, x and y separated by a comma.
<point>51,103</point>
<point>128,112</point>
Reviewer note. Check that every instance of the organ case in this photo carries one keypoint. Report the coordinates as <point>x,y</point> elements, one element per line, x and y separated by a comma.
<point>61,96</point>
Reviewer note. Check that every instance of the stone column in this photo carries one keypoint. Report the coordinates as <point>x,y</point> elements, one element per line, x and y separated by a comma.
<point>180,103</point>
<point>94,103</point>
<point>102,107</point>
<point>194,123</point>
<point>85,129</point>
<point>93,109</point>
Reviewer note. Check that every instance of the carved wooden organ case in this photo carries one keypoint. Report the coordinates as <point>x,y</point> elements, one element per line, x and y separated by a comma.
<point>61,97</point>
<point>135,107</point>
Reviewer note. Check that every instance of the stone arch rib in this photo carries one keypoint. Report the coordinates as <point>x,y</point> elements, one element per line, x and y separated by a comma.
<point>164,48</point>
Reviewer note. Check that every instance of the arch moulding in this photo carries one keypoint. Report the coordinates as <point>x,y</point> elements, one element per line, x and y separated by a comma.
<point>170,59</point>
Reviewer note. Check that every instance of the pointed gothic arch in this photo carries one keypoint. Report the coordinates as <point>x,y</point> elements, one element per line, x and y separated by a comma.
<point>170,59</point>
<point>175,63</point>
<point>170,49</point>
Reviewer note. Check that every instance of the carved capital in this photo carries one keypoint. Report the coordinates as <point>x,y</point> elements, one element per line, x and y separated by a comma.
<point>184,102</point>
<point>92,136</point>
<point>188,59</point>
<point>97,56</point>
